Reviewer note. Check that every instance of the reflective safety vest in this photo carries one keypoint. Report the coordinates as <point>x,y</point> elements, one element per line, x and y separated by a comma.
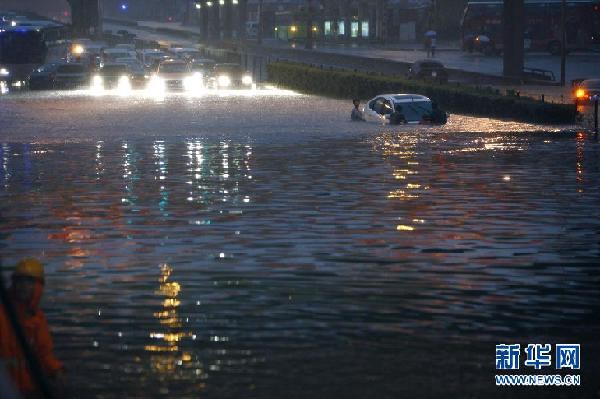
<point>35,328</point>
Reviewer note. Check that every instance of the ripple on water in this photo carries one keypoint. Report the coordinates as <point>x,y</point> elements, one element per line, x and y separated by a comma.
<point>184,260</point>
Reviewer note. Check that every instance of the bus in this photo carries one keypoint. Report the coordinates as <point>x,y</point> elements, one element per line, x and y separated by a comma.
<point>25,47</point>
<point>481,26</point>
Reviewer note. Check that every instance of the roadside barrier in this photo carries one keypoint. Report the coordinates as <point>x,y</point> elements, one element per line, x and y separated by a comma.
<point>451,97</point>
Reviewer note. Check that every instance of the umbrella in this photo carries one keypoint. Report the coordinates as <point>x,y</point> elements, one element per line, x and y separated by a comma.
<point>430,33</point>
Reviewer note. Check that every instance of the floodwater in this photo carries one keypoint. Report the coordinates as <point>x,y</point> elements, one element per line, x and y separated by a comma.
<point>260,245</point>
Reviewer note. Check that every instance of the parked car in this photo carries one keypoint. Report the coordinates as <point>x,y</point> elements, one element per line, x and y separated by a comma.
<point>428,70</point>
<point>71,75</point>
<point>42,78</point>
<point>231,75</point>
<point>398,109</point>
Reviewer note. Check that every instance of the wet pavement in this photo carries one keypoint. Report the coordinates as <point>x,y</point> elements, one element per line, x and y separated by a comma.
<point>579,64</point>
<point>260,245</point>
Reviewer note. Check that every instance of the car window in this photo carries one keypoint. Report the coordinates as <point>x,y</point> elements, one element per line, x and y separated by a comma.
<point>232,69</point>
<point>173,68</point>
<point>71,69</point>
<point>431,65</point>
<point>378,106</point>
<point>114,69</point>
<point>46,68</point>
<point>414,111</point>
<point>386,107</point>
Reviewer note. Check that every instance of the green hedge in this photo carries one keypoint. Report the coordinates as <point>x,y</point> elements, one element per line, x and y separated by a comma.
<point>459,99</point>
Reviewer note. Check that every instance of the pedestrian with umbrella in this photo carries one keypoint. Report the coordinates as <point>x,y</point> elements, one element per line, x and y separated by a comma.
<point>430,40</point>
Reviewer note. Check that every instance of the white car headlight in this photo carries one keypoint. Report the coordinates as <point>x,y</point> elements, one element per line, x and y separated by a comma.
<point>4,72</point>
<point>124,83</point>
<point>97,82</point>
<point>193,82</point>
<point>247,80</point>
<point>224,81</point>
<point>156,84</point>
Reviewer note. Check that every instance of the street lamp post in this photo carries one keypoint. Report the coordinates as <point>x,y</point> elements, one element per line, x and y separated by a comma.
<point>563,42</point>
<point>309,25</point>
<point>242,17</point>
<point>259,28</point>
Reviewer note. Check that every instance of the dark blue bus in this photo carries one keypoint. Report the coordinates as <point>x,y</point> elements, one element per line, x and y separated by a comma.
<point>24,48</point>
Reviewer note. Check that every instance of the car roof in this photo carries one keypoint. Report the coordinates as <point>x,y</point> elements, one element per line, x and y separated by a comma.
<point>78,65</point>
<point>125,60</point>
<point>428,61</point>
<point>114,64</point>
<point>171,61</point>
<point>116,50</point>
<point>591,82</point>
<point>403,98</point>
<point>203,60</point>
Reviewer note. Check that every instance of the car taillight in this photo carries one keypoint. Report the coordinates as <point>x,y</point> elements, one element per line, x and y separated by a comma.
<point>580,93</point>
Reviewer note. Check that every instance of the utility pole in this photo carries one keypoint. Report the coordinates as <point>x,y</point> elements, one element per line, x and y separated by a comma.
<point>204,32</point>
<point>242,18</point>
<point>513,21</point>
<point>259,27</point>
<point>309,25</point>
<point>563,42</point>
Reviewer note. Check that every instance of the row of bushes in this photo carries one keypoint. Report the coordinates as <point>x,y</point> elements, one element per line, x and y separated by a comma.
<point>459,99</point>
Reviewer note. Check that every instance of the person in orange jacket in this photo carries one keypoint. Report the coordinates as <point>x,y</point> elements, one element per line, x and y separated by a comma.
<point>26,293</point>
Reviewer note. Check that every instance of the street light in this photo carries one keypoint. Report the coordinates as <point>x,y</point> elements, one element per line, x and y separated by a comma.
<point>563,42</point>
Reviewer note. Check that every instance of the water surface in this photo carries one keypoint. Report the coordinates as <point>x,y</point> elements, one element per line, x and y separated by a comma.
<point>264,246</point>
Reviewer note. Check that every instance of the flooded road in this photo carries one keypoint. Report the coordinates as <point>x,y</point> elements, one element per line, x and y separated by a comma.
<point>263,246</point>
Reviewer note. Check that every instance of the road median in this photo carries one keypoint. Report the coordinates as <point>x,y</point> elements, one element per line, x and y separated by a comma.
<point>487,102</point>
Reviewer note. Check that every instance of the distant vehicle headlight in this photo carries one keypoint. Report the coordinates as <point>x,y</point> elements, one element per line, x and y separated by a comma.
<point>193,82</point>
<point>156,84</point>
<point>124,83</point>
<point>77,49</point>
<point>224,81</point>
<point>4,72</point>
<point>97,82</point>
<point>247,80</point>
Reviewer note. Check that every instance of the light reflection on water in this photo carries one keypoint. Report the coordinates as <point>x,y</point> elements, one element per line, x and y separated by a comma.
<point>230,266</point>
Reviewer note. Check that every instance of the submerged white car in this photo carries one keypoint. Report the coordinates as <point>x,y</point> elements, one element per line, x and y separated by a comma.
<point>398,109</point>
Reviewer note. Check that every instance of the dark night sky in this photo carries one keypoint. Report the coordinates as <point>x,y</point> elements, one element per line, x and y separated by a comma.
<point>42,7</point>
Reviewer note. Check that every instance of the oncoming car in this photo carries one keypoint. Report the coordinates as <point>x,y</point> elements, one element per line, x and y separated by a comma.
<point>228,76</point>
<point>176,75</point>
<point>112,76</point>
<point>396,109</point>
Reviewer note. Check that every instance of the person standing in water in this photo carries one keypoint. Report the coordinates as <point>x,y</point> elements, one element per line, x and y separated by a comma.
<point>357,114</point>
